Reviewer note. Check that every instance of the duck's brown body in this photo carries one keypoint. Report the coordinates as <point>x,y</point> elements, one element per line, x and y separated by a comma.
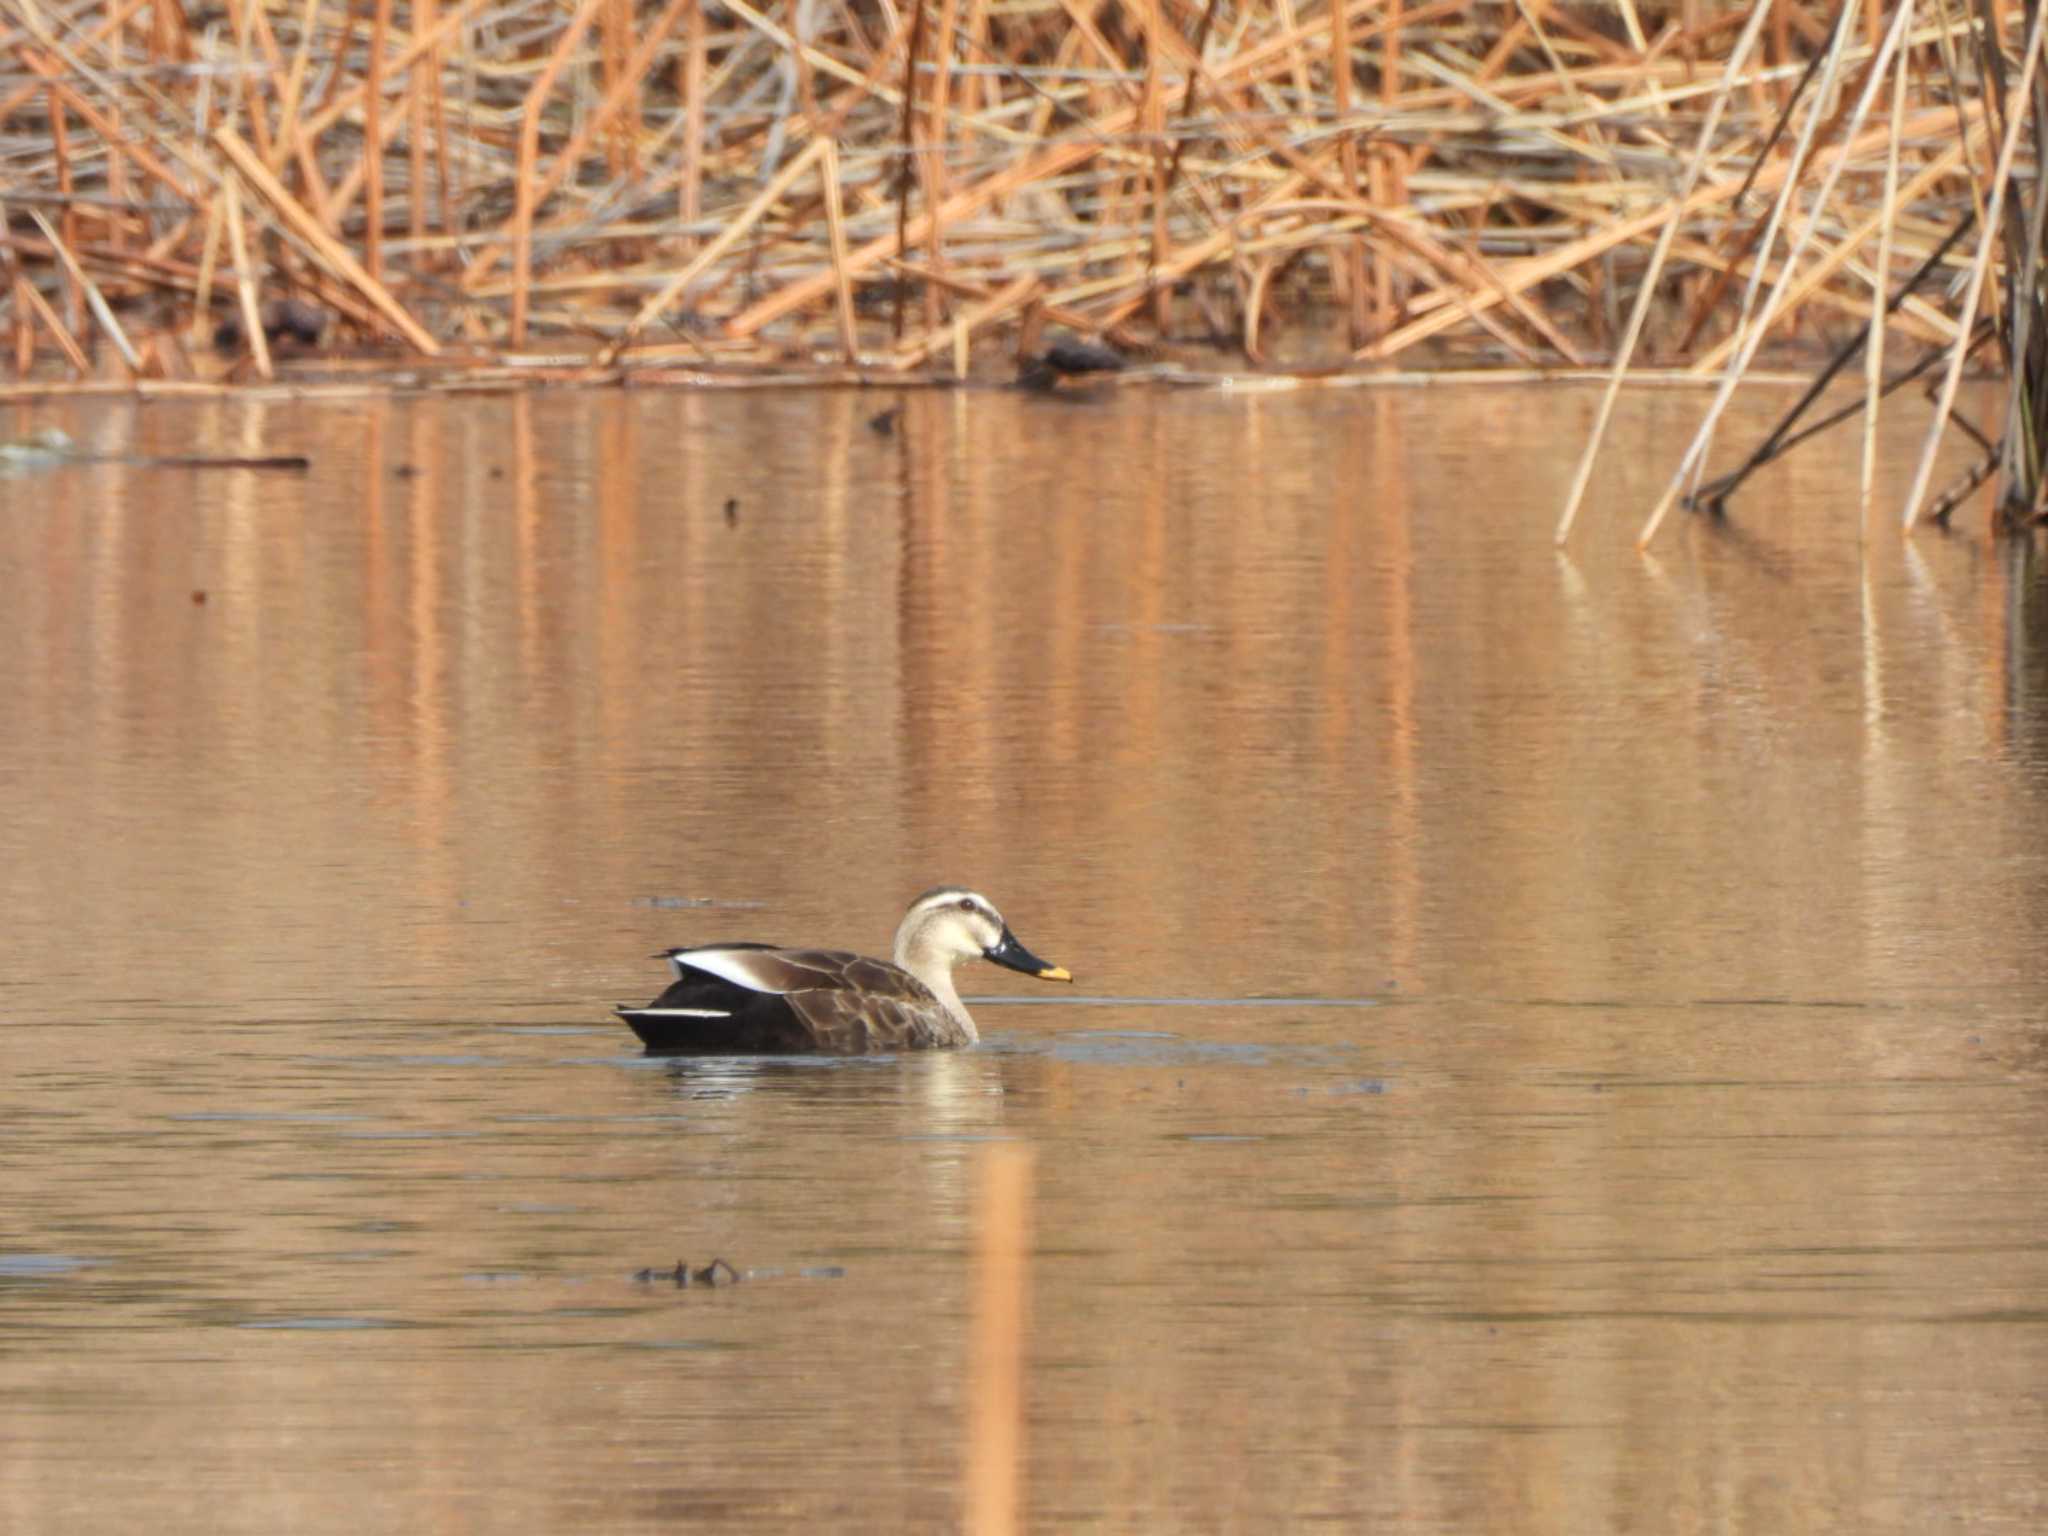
<point>828,1001</point>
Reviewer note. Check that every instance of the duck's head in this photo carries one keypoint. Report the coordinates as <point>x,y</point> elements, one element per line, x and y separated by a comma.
<point>951,924</point>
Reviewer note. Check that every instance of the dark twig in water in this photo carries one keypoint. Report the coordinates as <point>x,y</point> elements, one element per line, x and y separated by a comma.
<point>1944,504</point>
<point>1714,495</point>
<point>1710,301</point>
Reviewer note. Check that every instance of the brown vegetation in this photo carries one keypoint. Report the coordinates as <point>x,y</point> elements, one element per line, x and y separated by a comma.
<point>494,191</point>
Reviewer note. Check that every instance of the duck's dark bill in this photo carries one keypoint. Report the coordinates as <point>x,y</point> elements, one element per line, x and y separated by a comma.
<point>1014,955</point>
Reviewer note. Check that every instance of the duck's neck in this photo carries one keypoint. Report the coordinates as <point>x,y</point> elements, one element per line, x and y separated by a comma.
<point>936,972</point>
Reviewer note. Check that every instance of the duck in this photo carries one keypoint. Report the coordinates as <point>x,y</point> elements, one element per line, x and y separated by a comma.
<point>748,998</point>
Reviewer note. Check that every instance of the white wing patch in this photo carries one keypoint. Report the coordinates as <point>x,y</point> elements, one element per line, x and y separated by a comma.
<point>741,967</point>
<point>672,1013</point>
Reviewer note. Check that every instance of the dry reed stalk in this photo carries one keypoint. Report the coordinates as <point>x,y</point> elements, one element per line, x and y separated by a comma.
<point>906,173</point>
<point>286,139</point>
<point>1351,253</point>
<point>617,32</point>
<point>63,95</point>
<point>26,306</point>
<point>1873,349</point>
<point>116,18</point>
<point>1389,179</point>
<point>25,291</point>
<point>202,293</point>
<point>1646,291</point>
<point>23,318</point>
<point>1695,455</point>
<point>1152,125</point>
<point>274,66</point>
<point>620,95</point>
<point>1049,162</point>
<point>690,195</point>
<point>1918,319</point>
<point>2016,121</point>
<point>373,135</point>
<point>245,278</point>
<point>936,147</point>
<point>117,184</point>
<point>417,135</point>
<point>1013,295</point>
<point>727,237</point>
<point>1432,319</point>
<point>521,230</point>
<point>1878,221</point>
<point>60,145</point>
<point>1040,150</point>
<point>835,224</point>
<point>996,1373</point>
<point>430,88</point>
<point>95,301</point>
<point>349,98</point>
<point>1037,308</point>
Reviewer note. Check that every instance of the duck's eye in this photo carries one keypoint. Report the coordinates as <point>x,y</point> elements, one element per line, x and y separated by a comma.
<point>966,903</point>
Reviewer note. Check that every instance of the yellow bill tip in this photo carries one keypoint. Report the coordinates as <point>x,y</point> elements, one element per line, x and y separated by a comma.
<point>1056,973</point>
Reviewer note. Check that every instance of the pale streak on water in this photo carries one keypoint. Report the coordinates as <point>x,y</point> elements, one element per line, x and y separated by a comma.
<point>1559,1038</point>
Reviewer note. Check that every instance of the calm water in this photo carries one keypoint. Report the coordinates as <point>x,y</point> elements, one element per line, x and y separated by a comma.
<point>1561,1041</point>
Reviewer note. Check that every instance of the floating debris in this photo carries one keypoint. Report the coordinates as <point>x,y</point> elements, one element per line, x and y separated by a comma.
<point>687,903</point>
<point>717,1272</point>
<point>45,445</point>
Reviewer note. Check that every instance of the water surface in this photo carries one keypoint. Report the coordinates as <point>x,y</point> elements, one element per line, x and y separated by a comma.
<point>1558,1042</point>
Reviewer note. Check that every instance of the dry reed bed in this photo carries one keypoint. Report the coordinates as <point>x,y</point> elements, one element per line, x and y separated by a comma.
<point>483,191</point>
